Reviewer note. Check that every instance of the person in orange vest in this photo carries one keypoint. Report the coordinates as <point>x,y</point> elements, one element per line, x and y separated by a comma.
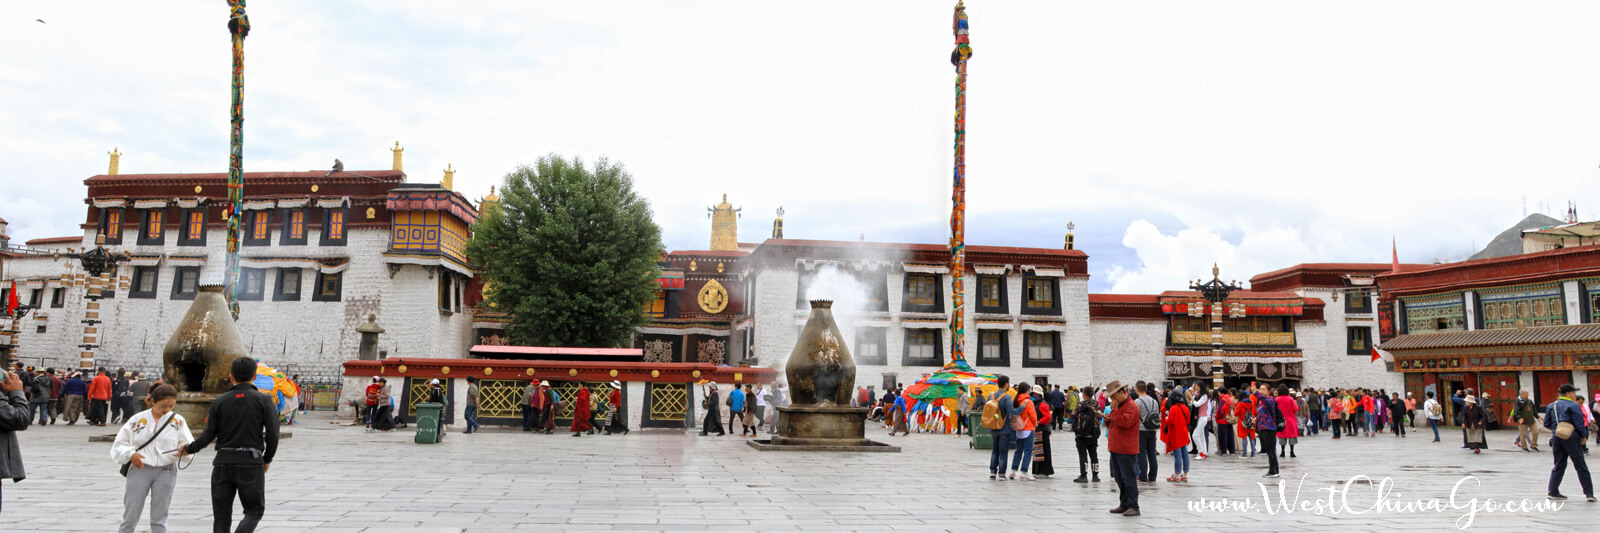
<point>99,398</point>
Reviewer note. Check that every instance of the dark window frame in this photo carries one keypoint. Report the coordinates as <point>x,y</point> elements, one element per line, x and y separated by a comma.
<point>138,290</point>
<point>185,237</point>
<point>1005,349</point>
<point>146,225</point>
<point>319,295</point>
<point>112,230</point>
<point>299,285</point>
<point>286,236</point>
<point>1350,337</point>
<point>245,273</point>
<point>1055,295</point>
<point>938,348</point>
<point>1004,306</point>
<point>58,298</point>
<point>342,224</point>
<point>938,294</point>
<point>1055,350</point>
<point>875,336</point>
<point>878,282</point>
<point>36,297</point>
<point>1352,297</point>
<point>251,218</point>
<point>177,282</point>
<point>445,290</point>
<point>803,282</point>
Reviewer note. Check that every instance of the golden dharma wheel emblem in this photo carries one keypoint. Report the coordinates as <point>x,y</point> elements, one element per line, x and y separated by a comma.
<point>314,188</point>
<point>697,373</point>
<point>530,371</point>
<point>488,371</point>
<point>197,189</point>
<point>713,297</point>
<point>573,372</point>
<point>657,373</point>
<point>613,373</point>
<point>402,369</point>
<point>444,370</point>
<point>372,213</point>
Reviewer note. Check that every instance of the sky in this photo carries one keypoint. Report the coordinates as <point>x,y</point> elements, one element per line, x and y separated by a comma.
<point>1255,135</point>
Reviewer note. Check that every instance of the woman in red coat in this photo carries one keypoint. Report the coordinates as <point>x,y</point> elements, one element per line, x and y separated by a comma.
<point>1175,434</point>
<point>580,413</point>
<point>1245,409</point>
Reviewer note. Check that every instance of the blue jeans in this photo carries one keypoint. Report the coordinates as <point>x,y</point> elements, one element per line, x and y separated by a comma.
<point>44,411</point>
<point>1022,460</point>
<point>1002,447</point>
<point>1146,465</point>
<point>1366,421</point>
<point>1180,461</point>
<point>1433,424</point>
<point>472,416</point>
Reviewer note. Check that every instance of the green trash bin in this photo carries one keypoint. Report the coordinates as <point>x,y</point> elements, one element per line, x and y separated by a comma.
<point>981,440</point>
<point>428,415</point>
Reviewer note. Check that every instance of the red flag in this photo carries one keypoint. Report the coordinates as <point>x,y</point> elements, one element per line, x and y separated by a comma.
<point>1394,263</point>
<point>11,302</point>
<point>1375,356</point>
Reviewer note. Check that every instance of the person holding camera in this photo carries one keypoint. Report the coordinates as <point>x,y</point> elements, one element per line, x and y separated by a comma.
<point>146,443</point>
<point>13,418</point>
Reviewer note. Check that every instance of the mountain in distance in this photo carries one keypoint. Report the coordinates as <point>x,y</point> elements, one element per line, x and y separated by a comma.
<point>1509,242</point>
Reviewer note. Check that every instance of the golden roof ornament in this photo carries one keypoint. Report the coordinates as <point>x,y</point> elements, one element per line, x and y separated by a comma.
<point>724,226</point>
<point>397,150</point>
<point>116,162</point>
<point>449,180</point>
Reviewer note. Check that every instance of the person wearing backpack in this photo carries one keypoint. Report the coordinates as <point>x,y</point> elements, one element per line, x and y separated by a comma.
<point>1268,420</point>
<point>1335,414</point>
<point>1086,428</point>
<point>1024,421</point>
<point>1146,465</point>
<point>997,413</point>
<point>1244,410</point>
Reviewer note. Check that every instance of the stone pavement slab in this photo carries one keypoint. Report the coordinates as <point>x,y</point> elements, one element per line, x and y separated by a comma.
<point>333,478</point>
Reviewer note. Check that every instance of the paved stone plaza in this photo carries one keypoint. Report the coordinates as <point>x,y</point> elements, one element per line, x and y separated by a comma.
<point>332,478</point>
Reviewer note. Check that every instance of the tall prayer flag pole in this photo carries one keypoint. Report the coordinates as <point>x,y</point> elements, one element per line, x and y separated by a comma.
<point>239,26</point>
<point>958,194</point>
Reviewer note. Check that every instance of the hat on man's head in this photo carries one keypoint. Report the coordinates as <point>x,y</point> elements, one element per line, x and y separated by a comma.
<point>1567,387</point>
<point>544,384</point>
<point>374,379</point>
<point>434,381</point>
<point>1114,386</point>
<point>616,384</point>
<point>1472,400</point>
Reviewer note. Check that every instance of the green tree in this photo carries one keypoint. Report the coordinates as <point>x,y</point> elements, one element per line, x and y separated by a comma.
<point>570,252</point>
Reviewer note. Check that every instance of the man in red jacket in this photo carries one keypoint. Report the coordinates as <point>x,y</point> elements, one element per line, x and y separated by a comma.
<point>1123,443</point>
<point>99,398</point>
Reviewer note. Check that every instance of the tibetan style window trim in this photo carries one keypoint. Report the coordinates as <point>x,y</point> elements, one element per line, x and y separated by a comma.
<point>993,349</point>
<point>252,284</point>
<point>333,227</point>
<point>1041,295</point>
<point>991,294</point>
<point>1358,302</point>
<point>922,293</point>
<point>144,282</point>
<point>919,343</point>
<point>192,232</point>
<point>58,297</point>
<point>871,346</point>
<point>294,227</point>
<point>878,282</point>
<point>288,286</point>
<point>329,287</point>
<point>1041,349</point>
<point>152,227</point>
<point>1358,340</point>
<point>185,282</point>
<point>111,224</point>
<point>258,231</point>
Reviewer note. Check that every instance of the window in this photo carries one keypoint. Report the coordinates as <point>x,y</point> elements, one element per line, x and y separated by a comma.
<point>150,227</point>
<point>144,282</point>
<point>1043,350</point>
<point>252,283</point>
<point>1357,301</point>
<point>1360,340</point>
<point>36,298</point>
<point>288,287</point>
<point>449,298</point>
<point>1040,295</point>
<point>922,348</point>
<point>259,230</point>
<point>804,284</point>
<point>294,227</point>
<point>878,284</point>
<point>58,297</point>
<point>922,294</point>
<point>992,294</point>
<point>333,227</point>
<point>329,287</point>
<point>870,344</point>
<point>658,305</point>
<point>992,348</point>
<point>194,228</point>
<point>111,225</point>
<point>185,283</point>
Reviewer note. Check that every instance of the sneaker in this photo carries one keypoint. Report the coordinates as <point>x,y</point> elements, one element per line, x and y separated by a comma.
<point>1272,476</point>
<point>1556,496</point>
<point>991,476</point>
<point>1589,497</point>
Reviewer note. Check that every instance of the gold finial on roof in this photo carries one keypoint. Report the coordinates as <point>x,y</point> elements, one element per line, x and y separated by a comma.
<point>724,225</point>
<point>116,162</point>
<point>449,177</point>
<point>397,150</point>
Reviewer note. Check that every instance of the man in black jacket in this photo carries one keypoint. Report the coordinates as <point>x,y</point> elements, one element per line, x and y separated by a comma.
<point>244,422</point>
<point>13,418</point>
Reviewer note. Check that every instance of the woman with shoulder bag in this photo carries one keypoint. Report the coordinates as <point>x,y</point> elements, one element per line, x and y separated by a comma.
<point>1086,426</point>
<point>1024,423</point>
<point>144,449</point>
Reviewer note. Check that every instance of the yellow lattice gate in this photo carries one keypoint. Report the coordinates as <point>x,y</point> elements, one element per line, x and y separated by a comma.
<point>666,405</point>
<point>569,396</point>
<point>500,401</point>
<point>416,391</point>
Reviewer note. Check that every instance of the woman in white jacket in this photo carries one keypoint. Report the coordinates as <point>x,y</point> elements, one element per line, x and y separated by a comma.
<point>154,468</point>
